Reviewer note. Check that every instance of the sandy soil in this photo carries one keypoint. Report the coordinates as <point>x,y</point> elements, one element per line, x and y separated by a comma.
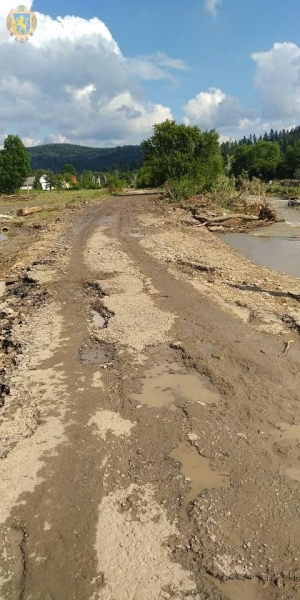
<point>149,414</point>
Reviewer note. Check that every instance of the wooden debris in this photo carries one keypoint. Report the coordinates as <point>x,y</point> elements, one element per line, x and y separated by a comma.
<point>195,265</point>
<point>29,210</point>
<point>287,346</point>
<point>209,221</point>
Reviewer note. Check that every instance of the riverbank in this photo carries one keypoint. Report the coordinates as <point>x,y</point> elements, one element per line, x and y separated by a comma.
<point>254,293</point>
<point>276,246</point>
<point>240,213</point>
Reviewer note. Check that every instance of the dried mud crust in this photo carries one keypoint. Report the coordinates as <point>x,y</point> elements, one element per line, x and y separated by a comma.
<point>102,499</point>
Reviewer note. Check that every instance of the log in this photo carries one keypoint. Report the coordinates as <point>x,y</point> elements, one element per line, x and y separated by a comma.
<point>29,210</point>
<point>137,193</point>
<point>208,221</point>
<point>6,217</point>
<point>195,265</point>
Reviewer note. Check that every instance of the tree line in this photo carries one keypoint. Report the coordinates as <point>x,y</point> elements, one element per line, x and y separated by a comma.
<point>182,157</point>
<point>274,155</point>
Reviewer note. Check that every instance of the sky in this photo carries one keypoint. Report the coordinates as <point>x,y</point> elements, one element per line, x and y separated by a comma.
<point>102,73</point>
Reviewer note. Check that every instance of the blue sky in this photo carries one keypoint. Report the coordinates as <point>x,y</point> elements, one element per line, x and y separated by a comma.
<point>207,62</point>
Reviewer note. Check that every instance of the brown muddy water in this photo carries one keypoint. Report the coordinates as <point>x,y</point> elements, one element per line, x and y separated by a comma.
<point>241,590</point>
<point>167,385</point>
<point>276,246</point>
<point>197,472</point>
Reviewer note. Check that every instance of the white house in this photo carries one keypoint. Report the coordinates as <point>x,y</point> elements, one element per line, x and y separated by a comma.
<point>44,183</point>
<point>28,184</point>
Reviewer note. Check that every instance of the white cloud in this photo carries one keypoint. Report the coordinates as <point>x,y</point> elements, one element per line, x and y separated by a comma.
<point>7,5</point>
<point>213,109</point>
<point>156,67</point>
<point>71,82</point>
<point>277,85</point>
<point>212,6</point>
<point>277,81</point>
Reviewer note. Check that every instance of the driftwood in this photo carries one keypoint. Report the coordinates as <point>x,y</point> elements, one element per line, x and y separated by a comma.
<point>210,221</point>
<point>6,217</point>
<point>29,210</point>
<point>287,346</point>
<point>195,265</point>
<point>137,193</point>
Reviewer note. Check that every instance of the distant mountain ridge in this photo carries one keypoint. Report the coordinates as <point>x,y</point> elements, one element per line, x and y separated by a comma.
<point>84,158</point>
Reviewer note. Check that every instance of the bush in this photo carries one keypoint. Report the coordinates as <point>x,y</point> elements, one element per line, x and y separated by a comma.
<point>114,184</point>
<point>182,189</point>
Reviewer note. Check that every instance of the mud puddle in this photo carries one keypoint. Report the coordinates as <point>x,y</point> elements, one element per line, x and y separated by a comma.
<point>98,320</point>
<point>167,385</point>
<point>95,353</point>
<point>197,471</point>
<point>241,590</point>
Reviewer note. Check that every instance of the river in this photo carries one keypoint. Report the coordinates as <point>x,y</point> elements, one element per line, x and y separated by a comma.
<point>276,246</point>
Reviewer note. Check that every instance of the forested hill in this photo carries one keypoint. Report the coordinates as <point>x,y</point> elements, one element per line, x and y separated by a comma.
<point>54,156</point>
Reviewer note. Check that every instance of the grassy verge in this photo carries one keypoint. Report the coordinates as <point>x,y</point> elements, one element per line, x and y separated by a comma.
<point>53,202</point>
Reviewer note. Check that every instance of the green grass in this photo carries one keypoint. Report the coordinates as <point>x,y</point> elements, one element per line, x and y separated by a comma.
<point>54,202</point>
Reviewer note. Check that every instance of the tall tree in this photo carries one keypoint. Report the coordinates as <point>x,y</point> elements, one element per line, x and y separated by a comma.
<point>260,160</point>
<point>14,165</point>
<point>70,169</point>
<point>175,151</point>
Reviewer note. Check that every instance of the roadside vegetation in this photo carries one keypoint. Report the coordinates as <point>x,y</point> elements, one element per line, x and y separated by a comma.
<point>187,165</point>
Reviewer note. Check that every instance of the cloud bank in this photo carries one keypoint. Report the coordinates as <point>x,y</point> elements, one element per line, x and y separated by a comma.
<point>72,83</point>
<point>277,84</point>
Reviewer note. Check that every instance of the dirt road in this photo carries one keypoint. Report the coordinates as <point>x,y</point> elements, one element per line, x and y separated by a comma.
<point>150,426</point>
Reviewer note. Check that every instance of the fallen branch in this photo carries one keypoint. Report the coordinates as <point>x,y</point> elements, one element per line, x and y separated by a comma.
<point>6,217</point>
<point>195,265</point>
<point>287,346</point>
<point>211,221</point>
<point>29,210</point>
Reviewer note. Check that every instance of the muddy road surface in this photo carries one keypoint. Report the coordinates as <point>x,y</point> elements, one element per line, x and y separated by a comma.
<point>150,424</point>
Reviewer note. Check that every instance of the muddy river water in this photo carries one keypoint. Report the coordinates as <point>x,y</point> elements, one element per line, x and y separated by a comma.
<point>276,246</point>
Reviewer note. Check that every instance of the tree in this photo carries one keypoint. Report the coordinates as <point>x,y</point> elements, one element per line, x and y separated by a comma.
<point>88,181</point>
<point>50,179</point>
<point>14,165</point>
<point>70,169</point>
<point>38,174</point>
<point>262,159</point>
<point>266,159</point>
<point>242,160</point>
<point>292,159</point>
<point>175,151</point>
